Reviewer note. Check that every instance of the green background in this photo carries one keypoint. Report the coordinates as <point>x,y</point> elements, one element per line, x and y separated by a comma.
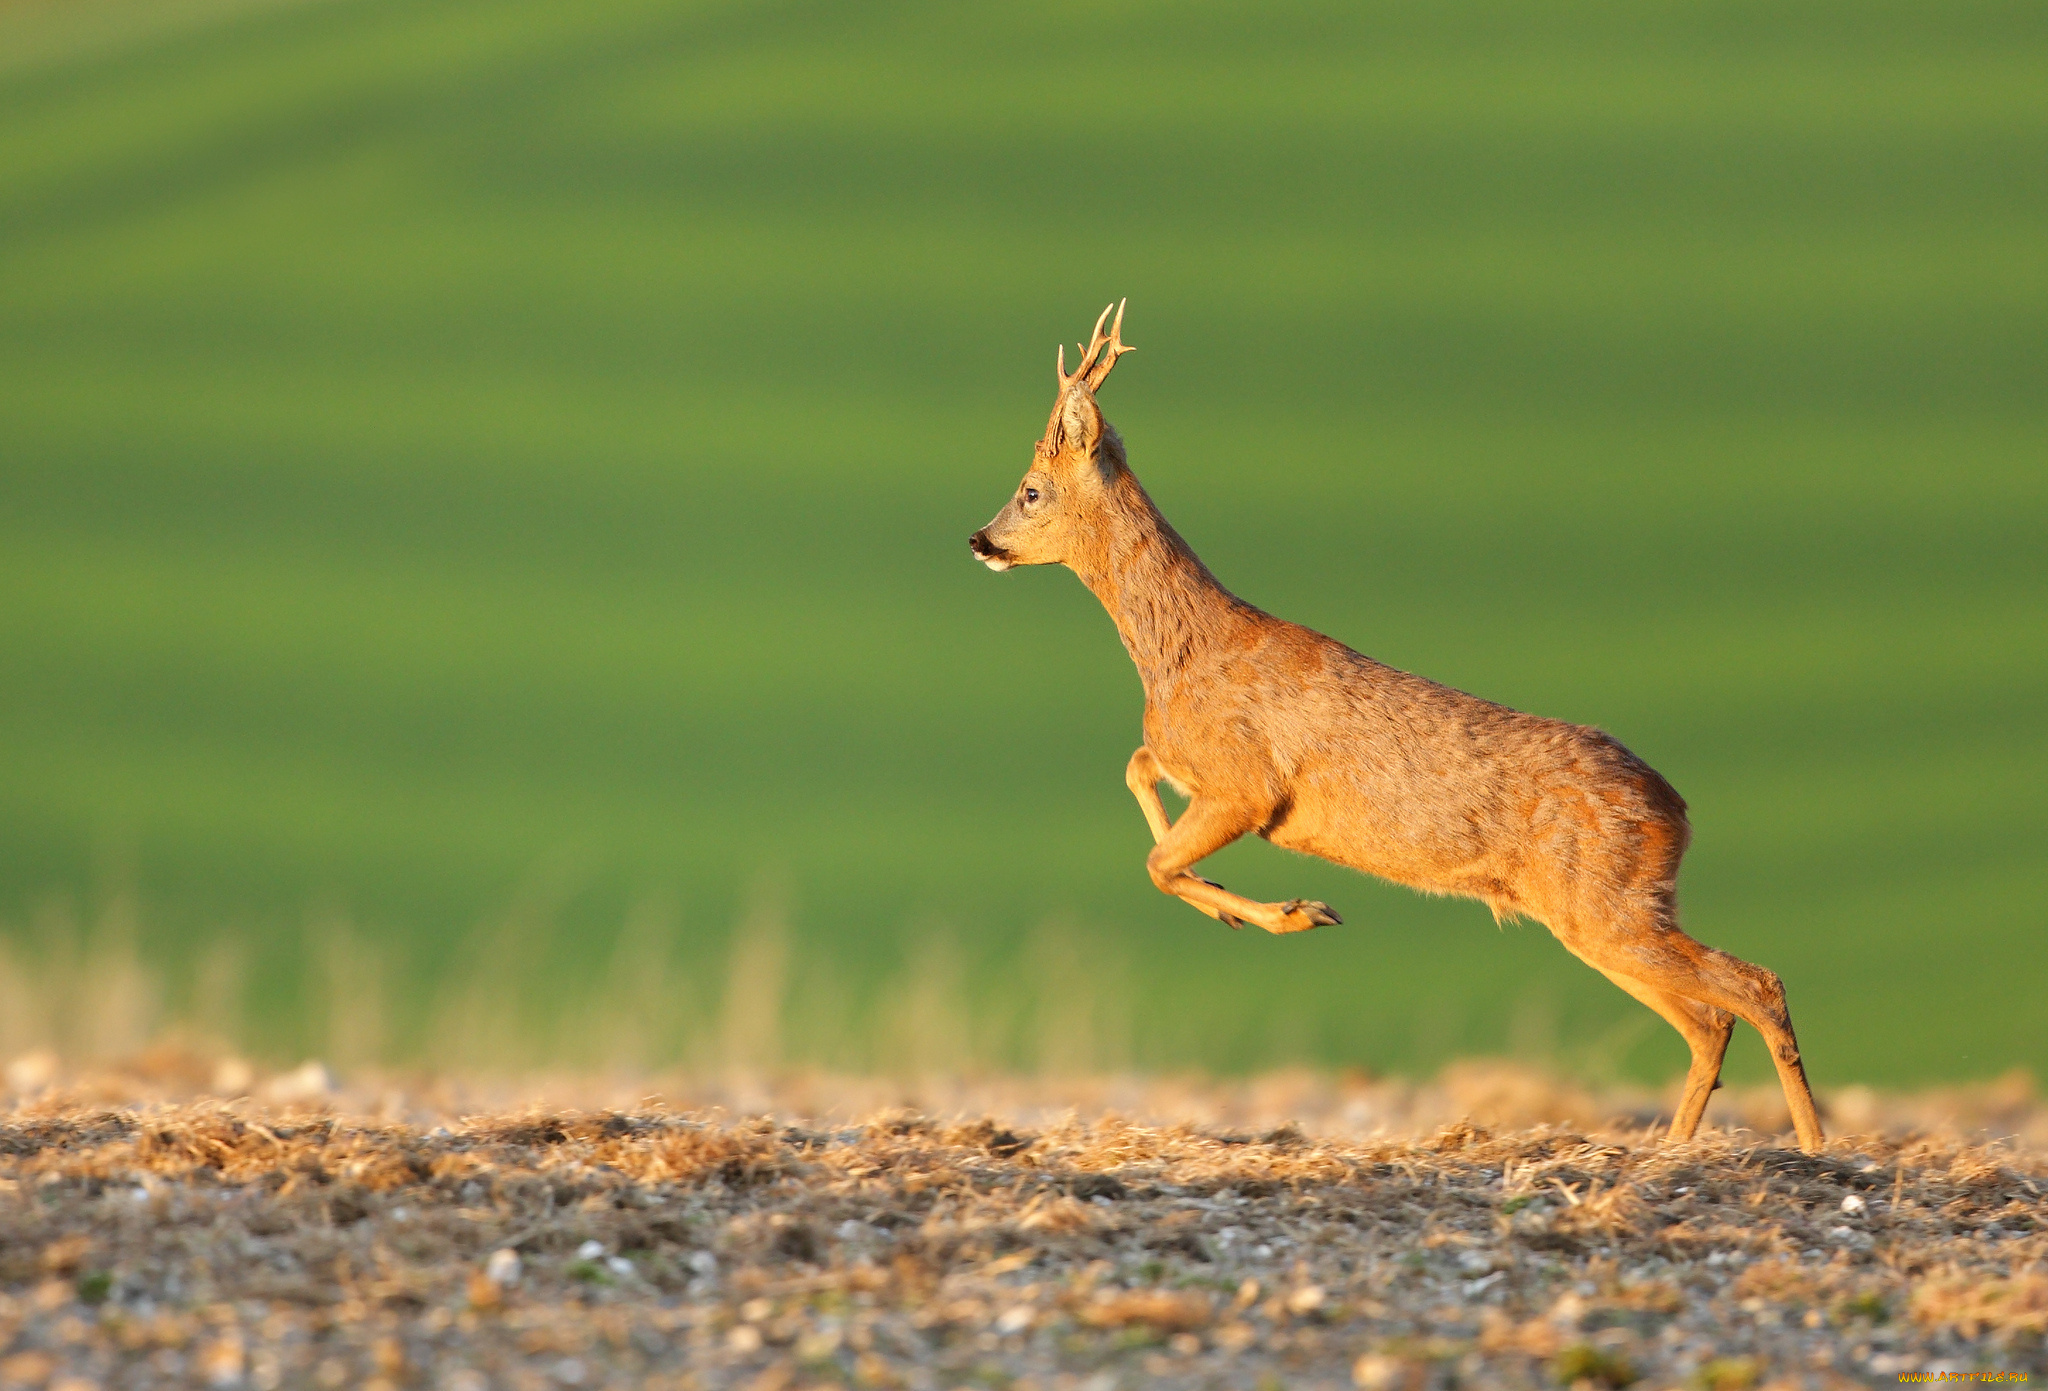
<point>472,468</point>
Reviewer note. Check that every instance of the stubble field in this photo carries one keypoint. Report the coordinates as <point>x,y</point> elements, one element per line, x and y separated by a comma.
<point>359,1239</point>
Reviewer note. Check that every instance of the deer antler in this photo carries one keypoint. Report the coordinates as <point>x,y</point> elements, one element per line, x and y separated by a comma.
<point>1110,349</point>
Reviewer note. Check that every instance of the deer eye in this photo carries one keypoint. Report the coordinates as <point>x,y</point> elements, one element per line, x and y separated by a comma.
<point>1031,494</point>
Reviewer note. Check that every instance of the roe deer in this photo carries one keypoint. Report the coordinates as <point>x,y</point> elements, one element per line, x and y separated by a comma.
<point>1268,727</point>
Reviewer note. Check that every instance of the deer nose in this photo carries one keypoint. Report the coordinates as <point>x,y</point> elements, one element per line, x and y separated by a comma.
<point>978,543</point>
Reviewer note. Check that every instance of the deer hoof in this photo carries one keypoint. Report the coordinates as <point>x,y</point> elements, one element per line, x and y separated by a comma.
<point>1229,920</point>
<point>1318,914</point>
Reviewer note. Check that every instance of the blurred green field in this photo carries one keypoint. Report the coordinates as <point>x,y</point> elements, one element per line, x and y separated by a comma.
<point>473,468</point>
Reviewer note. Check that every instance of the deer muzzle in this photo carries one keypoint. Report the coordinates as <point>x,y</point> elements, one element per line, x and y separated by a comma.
<point>987,552</point>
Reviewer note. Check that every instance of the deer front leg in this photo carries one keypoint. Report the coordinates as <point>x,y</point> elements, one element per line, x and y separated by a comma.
<point>1204,828</point>
<point>1142,777</point>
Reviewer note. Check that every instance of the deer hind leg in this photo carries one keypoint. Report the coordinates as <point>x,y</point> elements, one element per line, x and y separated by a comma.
<point>1706,1031</point>
<point>1663,958</point>
<point>1758,997</point>
<point>1205,827</point>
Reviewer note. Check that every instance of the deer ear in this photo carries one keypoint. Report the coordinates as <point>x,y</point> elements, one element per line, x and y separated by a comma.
<point>1080,420</point>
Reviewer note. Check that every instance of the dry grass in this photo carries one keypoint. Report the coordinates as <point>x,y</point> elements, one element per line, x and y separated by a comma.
<point>348,1239</point>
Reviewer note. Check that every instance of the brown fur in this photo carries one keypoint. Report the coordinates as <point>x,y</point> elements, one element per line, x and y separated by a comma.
<point>1272,729</point>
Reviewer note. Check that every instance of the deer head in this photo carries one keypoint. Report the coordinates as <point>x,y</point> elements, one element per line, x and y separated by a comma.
<point>1074,467</point>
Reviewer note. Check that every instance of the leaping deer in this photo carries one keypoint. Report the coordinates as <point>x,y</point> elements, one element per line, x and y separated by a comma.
<point>1270,728</point>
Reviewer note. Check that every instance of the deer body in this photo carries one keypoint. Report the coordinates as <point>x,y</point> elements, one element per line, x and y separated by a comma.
<point>1270,728</point>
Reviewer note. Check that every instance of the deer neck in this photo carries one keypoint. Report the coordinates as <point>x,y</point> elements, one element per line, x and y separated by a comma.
<point>1167,607</point>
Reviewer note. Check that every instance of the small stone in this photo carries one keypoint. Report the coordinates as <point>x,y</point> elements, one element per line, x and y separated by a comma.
<point>745,1339</point>
<point>222,1361</point>
<point>1854,1205</point>
<point>309,1081</point>
<point>31,1072</point>
<point>504,1268</point>
<point>1306,1300</point>
<point>233,1077</point>
<point>816,1347</point>
<point>1234,1336</point>
<point>1374,1372</point>
<point>590,1251</point>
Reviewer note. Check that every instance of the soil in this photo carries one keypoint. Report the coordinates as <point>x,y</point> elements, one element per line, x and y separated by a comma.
<point>266,1244</point>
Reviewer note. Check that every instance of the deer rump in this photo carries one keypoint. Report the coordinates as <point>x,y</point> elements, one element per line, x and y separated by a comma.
<point>1270,728</point>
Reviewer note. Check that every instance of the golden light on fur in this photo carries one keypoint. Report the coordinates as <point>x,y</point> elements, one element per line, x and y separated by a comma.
<point>1274,730</point>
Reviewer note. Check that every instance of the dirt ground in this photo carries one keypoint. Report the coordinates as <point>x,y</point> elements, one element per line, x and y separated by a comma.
<point>1297,1231</point>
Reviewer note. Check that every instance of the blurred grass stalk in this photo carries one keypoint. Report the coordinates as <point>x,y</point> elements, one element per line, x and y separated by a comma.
<point>78,986</point>
<point>1049,1031</point>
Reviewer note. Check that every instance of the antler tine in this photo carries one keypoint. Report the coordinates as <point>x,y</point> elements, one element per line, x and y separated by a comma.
<point>1112,349</point>
<point>1080,368</point>
<point>1098,354</point>
<point>1095,339</point>
<point>1087,351</point>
